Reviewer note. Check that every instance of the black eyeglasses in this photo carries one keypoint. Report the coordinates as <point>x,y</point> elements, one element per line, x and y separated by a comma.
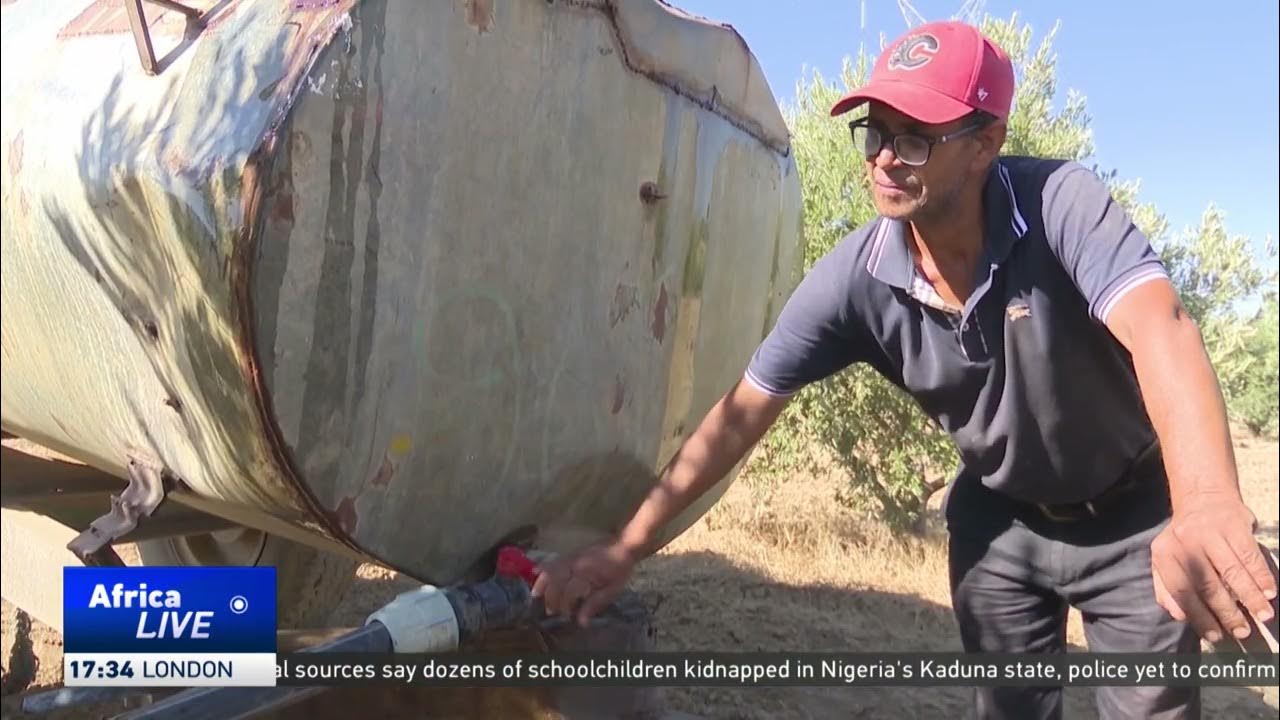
<point>910,148</point>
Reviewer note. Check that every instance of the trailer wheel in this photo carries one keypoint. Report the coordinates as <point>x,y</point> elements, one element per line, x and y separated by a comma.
<point>310,583</point>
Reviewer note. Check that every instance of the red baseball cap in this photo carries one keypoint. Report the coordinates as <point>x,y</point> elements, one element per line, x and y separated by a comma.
<point>938,72</point>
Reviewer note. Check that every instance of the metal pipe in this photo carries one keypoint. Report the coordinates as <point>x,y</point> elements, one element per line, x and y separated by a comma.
<point>242,702</point>
<point>500,602</point>
<point>50,700</point>
<point>26,478</point>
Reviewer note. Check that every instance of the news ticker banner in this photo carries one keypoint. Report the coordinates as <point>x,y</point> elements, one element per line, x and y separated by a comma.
<point>206,626</point>
<point>169,626</point>
<point>777,669</point>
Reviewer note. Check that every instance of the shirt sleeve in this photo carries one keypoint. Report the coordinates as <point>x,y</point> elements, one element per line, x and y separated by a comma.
<point>1094,238</point>
<point>814,337</point>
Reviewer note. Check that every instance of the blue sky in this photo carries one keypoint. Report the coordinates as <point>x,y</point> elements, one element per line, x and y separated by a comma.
<point>1183,95</point>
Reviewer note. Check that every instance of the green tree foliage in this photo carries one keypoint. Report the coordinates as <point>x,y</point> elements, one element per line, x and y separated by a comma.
<point>1255,398</point>
<point>1215,274</point>
<point>895,456</point>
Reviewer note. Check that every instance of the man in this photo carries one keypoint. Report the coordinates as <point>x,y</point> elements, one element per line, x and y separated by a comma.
<point>1018,304</point>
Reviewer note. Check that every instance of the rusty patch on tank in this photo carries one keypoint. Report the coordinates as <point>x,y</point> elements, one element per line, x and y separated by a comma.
<point>282,207</point>
<point>624,299</point>
<point>300,142</point>
<point>382,478</point>
<point>346,516</point>
<point>619,394</point>
<point>480,14</point>
<point>660,315</point>
<point>15,154</point>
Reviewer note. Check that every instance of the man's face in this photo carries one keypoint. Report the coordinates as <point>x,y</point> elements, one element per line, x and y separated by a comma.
<point>905,192</point>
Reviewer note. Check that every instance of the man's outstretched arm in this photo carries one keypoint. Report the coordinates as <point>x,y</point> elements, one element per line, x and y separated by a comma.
<point>814,337</point>
<point>1208,552</point>
<point>595,576</point>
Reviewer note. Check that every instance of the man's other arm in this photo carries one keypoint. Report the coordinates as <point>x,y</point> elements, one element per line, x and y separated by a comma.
<point>1208,552</point>
<point>812,339</point>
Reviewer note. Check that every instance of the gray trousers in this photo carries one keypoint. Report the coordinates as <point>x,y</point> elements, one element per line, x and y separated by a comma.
<point>1015,573</point>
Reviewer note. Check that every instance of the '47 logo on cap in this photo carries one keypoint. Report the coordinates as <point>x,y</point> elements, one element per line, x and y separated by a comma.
<point>914,52</point>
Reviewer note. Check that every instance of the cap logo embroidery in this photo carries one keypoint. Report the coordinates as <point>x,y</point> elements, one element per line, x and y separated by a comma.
<point>913,53</point>
<point>982,94</point>
<point>1018,311</point>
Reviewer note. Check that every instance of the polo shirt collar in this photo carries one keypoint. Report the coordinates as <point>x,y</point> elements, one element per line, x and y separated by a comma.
<point>890,258</point>
<point>1004,220</point>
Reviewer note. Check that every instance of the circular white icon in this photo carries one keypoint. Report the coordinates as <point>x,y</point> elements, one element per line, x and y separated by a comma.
<point>239,604</point>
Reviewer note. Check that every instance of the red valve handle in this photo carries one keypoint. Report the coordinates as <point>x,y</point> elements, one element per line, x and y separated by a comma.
<point>512,562</point>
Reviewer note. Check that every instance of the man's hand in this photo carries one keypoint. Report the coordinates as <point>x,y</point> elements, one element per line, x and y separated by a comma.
<point>593,577</point>
<point>1206,560</point>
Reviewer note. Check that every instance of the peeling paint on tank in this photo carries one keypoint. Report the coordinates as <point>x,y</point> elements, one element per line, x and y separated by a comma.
<point>300,144</point>
<point>624,300</point>
<point>619,394</point>
<point>346,516</point>
<point>282,204</point>
<point>382,478</point>
<point>480,15</point>
<point>316,85</point>
<point>660,314</point>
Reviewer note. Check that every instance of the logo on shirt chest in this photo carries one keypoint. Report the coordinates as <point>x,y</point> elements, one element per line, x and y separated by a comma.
<point>1017,310</point>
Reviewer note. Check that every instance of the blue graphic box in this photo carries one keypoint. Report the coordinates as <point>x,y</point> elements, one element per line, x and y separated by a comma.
<point>187,609</point>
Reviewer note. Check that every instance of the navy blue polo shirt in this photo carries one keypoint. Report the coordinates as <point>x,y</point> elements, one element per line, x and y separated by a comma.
<point>1040,398</point>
